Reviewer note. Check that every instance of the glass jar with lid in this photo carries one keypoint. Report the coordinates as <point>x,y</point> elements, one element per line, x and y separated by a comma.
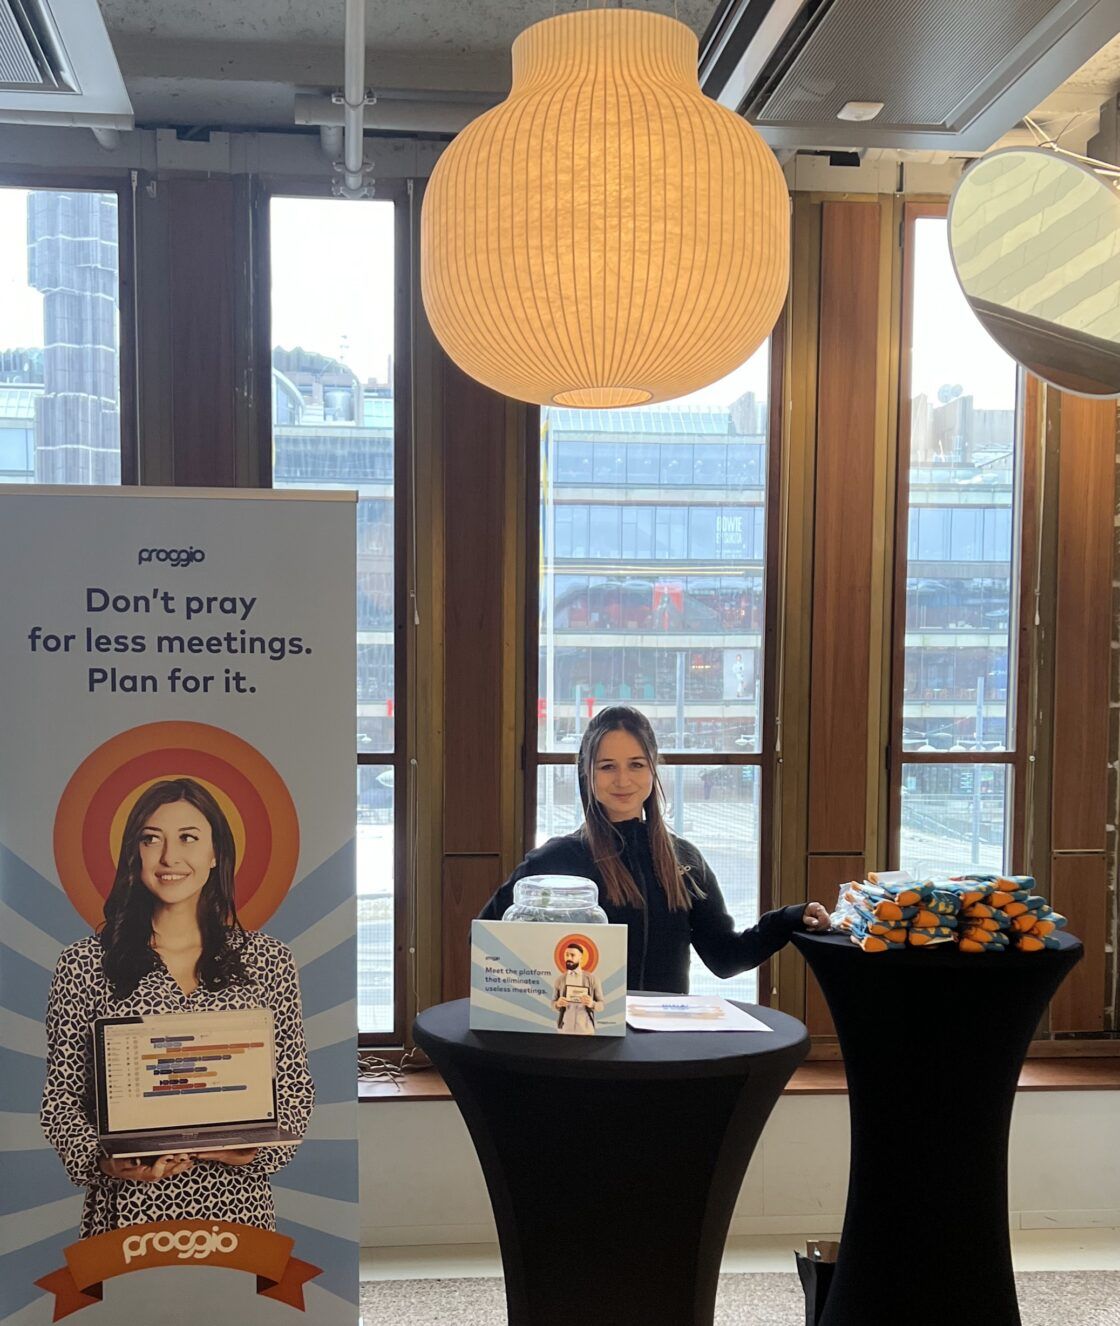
<point>567,899</point>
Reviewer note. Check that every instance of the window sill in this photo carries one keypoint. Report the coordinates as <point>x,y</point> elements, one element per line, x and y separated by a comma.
<point>821,1078</point>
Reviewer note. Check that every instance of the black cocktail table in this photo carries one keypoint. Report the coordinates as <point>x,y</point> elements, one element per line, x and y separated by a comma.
<point>613,1164</point>
<point>933,1042</point>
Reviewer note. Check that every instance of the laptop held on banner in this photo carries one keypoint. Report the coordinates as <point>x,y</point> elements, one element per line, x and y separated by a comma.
<point>191,1082</point>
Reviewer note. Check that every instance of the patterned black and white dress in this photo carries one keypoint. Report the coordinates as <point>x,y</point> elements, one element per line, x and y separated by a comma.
<point>209,1190</point>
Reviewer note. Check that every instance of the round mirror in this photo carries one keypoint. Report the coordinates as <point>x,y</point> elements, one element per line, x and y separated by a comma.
<point>1035,240</point>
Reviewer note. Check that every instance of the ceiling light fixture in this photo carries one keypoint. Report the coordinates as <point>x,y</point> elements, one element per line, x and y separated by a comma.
<point>607,236</point>
<point>859,110</point>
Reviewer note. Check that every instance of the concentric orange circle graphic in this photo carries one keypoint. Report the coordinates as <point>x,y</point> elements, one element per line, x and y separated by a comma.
<point>93,808</point>
<point>590,949</point>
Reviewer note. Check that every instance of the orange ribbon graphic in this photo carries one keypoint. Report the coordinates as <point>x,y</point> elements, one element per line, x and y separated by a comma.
<point>262,1253</point>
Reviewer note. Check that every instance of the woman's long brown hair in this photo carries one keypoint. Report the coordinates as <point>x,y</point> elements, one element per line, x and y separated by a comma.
<point>126,939</point>
<point>603,839</point>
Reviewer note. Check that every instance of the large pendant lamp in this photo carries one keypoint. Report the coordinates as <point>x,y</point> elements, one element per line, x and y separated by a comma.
<point>608,235</point>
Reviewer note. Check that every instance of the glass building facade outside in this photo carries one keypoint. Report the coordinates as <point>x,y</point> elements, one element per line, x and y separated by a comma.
<point>652,593</point>
<point>962,555</point>
<point>333,428</point>
<point>332,431</point>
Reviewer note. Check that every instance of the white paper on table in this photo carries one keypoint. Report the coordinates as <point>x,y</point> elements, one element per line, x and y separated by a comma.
<point>688,1013</point>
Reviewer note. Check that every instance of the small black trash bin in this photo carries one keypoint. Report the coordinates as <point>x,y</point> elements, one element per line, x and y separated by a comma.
<point>815,1270</point>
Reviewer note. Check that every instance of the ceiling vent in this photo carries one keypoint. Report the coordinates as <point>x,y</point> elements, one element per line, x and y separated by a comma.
<point>57,66</point>
<point>31,55</point>
<point>951,76</point>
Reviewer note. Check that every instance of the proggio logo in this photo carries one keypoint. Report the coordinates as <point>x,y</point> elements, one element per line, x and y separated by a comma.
<point>171,556</point>
<point>187,1244</point>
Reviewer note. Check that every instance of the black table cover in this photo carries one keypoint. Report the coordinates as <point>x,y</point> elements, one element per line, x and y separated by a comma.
<point>612,1163</point>
<point>933,1040</point>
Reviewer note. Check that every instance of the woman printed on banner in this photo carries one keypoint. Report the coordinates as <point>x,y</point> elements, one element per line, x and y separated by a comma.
<point>171,943</point>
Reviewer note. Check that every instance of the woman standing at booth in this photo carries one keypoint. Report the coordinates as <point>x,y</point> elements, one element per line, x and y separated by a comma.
<point>655,883</point>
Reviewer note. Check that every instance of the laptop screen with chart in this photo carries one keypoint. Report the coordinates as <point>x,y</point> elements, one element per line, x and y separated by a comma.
<point>184,1070</point>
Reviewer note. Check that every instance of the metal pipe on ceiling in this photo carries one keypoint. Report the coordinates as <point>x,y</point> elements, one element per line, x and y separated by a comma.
<point>354,169</point>
<point>411,112</point>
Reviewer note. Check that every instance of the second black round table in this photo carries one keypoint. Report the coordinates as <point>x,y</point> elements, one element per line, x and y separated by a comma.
<point>933,1040</point>
<point>613,1164</point>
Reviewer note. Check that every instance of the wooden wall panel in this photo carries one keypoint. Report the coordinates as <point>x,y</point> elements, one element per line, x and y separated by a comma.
<point>475,760</point>
<point>474,517</point>
<point>1079,890</point>
<point>826,874</point>
<point>204,371</point>
<point>844,505</point>
<point>1081,660</point>
<point>467,882</point>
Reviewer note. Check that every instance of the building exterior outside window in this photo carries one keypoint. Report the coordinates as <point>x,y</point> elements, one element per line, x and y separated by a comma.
<point>60,419</point>
<point>653,538</point>
<point>962,485</point>
<point>333,428</point>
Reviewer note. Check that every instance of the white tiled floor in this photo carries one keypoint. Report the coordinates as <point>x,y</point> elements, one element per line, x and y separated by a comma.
<point>1033,1250</point>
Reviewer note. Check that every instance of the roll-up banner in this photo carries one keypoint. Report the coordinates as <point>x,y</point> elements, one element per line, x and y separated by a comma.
<point>177,907</point>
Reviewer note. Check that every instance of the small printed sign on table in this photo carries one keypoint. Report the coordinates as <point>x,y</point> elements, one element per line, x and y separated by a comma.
<point>550,978</point>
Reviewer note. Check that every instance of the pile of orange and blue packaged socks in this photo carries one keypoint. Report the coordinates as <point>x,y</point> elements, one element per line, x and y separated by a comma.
<point>938,918</point>
<point>1003,911</point>
<point>980,913</point>
<point>881,912</point>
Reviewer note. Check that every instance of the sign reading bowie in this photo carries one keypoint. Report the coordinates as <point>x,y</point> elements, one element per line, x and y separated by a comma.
<point>177,929</point>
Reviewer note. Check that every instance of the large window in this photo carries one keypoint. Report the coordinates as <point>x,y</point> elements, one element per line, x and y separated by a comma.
<point>955,693</point>
<point>652,592</point>
<point>60,379</point>
<point>333,427</point>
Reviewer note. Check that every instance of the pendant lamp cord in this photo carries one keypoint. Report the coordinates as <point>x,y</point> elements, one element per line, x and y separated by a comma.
<point>1045,140</point>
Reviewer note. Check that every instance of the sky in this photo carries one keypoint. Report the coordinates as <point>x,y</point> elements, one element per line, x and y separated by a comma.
<point>21,308</point>
<point>332,291</point>
<point>332,280</point>
<point>950,346</point>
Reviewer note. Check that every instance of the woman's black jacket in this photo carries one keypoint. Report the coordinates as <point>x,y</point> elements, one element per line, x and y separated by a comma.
<point>659,939</point>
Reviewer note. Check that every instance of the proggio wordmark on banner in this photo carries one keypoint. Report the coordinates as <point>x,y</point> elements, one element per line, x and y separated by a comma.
<point>177,917</point>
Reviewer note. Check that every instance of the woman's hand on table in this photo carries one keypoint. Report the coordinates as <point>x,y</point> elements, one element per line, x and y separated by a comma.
<point>815,918</point>
<point>134,1170</point>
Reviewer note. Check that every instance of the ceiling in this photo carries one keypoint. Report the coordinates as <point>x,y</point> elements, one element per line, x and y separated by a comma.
<point>240,66</point>
<point>1102,72</point>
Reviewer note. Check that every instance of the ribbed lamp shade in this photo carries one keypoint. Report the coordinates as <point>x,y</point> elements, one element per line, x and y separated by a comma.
<point>608,235</point>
